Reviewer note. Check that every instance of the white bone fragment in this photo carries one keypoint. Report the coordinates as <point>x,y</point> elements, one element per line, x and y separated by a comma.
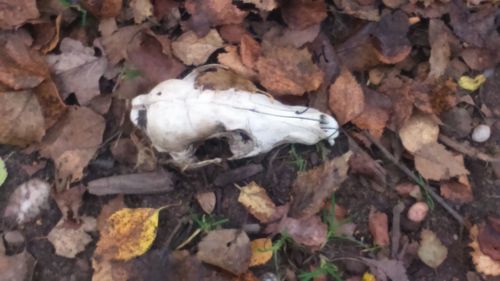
<point>176,116</point>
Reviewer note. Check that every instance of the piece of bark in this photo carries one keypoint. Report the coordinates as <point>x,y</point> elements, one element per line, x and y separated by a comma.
<point>238,174</point>
<point>141,183</point>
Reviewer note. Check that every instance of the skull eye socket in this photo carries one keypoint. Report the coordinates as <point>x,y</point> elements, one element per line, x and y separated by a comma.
<point>158,94</point>
<point>142,118</point>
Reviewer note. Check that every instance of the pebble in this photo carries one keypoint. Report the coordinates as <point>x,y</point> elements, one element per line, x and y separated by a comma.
<point>481,133</point>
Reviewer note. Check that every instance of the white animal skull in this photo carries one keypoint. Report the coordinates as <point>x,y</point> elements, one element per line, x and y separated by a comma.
<point>176,116</point>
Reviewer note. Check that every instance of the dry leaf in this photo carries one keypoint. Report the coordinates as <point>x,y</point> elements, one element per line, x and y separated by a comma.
<point>362,163</point>
<point>457,192</point>
<point>194,50</point>
<point>386,269</point>
<point>114,43</point>
<point>432,252</point>
<point>108,209</point>
<point>249,51</point>
<point>46,35</point>
<point>288,71</point>
<point>72,142</point>
<point>440,48</point>
<point>346,99</point>
<point>264,5</point>
<point>27,201</point>
<point>390,38</point>
<point>124,151</point>
<point>434,162</point>
<point>301,14</point>
<point>232,59</point>
<point>207,201</point>
<point>129,233</point>
<point>358,10</point>
<point>69,239</point>
<point>141,9</point>
<point>311,232</point>
<point>222,79</point>
<point>471,84</point>
<point>14,13</point>
<point>229,249</point>
<point>483,263</point>
<point>77,70</point>
<point>257,202</point>
<point>17,267</point>
<point>419,131</point>
<point>261,251</point>
<point>312,187</point>
<point>379,227</point>
<point>489,238</point>
<point>69,202</point>
<point>375,114</point>
<point>22,122</point>
<point>103,8</point>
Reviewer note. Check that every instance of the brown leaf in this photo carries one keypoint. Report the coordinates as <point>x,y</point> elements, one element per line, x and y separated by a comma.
<point>288,71</point>
<point>15,13</point>
<point>164,9</point>
<point>379,227</point>
<point>489,238</point>
<point>72,142</point>
<point>228,249</point>
<point>103,8</point>
<point>386,269</point>
<point>211,13</point>
<point>232,33</point>
<point>440,48</point>
<point>146,53</point>
<point>375,114</point>
<point>207,201</point>
<point>358,53</point>
<point>398,90</point>
<point>456,192</point>
<point>22,121</point>
<point>16,267</point>
<point>358,10</point>
<point>69,202</point>
<point>46,35</point>
<point>284,37</point>
<point>311,232</point>
<point>77,70</point>
<point>222,79</point>
<point>141,9</point>
<point>312,187</point>
<point>346,99</point>
<point>108,209</point>
<point>249,51</point>
<point>52,105</point>
<point>20,66</point>
<point>27,201</point>
<point>124,151</point>
<point>484,264</point>
<point>69,239</point>
<point>419,131</point>
<point>232,60</point>
<point>434,162</point>
<point>258,203</point>
<point>194,50</point>
<point>361,163</point>
<point>301,14</point>
<point>114,44</point>
<point>389,38</point>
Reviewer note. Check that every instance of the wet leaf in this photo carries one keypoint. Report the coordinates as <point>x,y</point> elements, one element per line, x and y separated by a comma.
<point>3,172</point>
<point>301,14</point>
<point>261,251</point>
<point>419,131</point>
<point>434,162</point>
<point>27,201</point>
<point>69,239</point>
<point>129,233</point>
<point>257,202</point>
<point>229,249</point>
<point>312,187</point>
<point>379,227</point>
<point>288,71</point>
<point>471,84</point>
<point>15,13</point>
<point>432,252</point>
<point>194,50</point>
<point>346,99</point>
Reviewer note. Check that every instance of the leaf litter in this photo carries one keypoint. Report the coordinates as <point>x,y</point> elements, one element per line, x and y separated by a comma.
<point>415,78</point>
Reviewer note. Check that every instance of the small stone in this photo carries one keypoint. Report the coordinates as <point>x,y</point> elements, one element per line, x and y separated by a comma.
<point>481,133</point>
<point>14,240</point>
<point>418,212</point>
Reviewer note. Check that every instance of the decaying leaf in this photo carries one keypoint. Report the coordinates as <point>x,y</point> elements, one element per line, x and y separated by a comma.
<point>311,232</point>
<point>432,252</point>
<point>386,269</point>
<point>207,201</point>
<point>69,202</point>
<point>129,233</point>
<point>16,267</point>
<point>489,237</point>
<point>312,187</point>
<point>288,71</point>
<point>379,227</point>
<point>434,162</point>
<point>14,13</point>
<point>390,39</point>
<point>301,14</point>
<point>419,131</point>
<point>484,264</point>
<point>346,99</point>
<point>229,249</point>
<point>108,209</point>
<point>72,142</point>
<point>194,50</point>
<point>257,202</point>
<point>70,239</point>
<point>27,201</point>
<point>261,251</point>
<point>362,163</point>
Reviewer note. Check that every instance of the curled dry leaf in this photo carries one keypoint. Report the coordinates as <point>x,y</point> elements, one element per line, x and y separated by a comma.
<point>72,142</point>
<point>194,50</point>
<point>288,71</point>
<point>434,162</point>
<point>312,187</point>
<point>432,252</point>
<point>46,35</point>
<point>301,14</point>
<point>14,13</point>
<point>128,233</point>
<point>379,227</point>
<point>484,264</point>
<point>262,251</point>
<point>257,202</point>
<point>419,131</point>
<point>207,201</point>
<point>69,239</point>
<point>358,10</point>
<point>229,249</point>
<point>27,201</point>
<point>346,99</point>
<point>77,70</point>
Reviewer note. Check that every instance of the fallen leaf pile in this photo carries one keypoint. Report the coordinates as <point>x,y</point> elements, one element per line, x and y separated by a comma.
<point>414,86</point>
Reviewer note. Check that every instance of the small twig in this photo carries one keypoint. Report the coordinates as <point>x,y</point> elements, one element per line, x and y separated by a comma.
<point>396,228</point>
<point>412,176</point>
<point>467,149</point>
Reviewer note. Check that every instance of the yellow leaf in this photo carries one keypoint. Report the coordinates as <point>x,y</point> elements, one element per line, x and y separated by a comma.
<point>368,277</point>
<point>261,251</point>
<point>257,202</point>
<point>471,84</point>
<point>129,233</point>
